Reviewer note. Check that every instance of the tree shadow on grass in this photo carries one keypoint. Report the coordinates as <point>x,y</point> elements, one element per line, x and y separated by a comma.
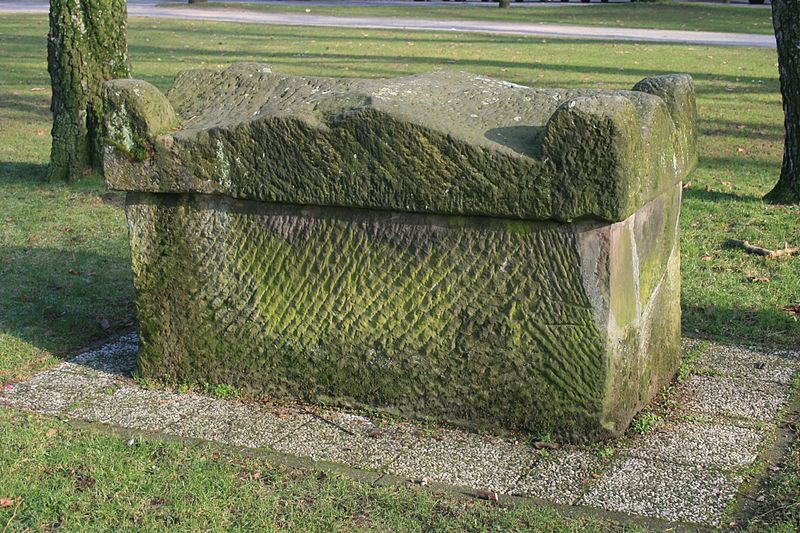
<point>34,176</point>
<point>22,172</point>
<point>705,81</point>
<point>718,196</point>
<point>768,327</point>
<point>61,300</point>
<point>29,109</point>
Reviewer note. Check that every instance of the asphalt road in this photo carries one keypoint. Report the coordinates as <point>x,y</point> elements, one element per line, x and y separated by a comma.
<point>147,8</point>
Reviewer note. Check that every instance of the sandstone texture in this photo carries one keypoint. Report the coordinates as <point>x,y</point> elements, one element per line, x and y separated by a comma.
<point>444,245</point>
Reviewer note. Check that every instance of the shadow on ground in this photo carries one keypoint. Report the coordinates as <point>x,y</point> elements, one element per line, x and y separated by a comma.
<point>58,300</point>
<point>731,325</point>
<point>22,172</point>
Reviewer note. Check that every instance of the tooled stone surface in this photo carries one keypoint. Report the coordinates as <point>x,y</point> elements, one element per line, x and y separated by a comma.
<point>266,271</point>
<point>485,323</point>
<point>443,142</point>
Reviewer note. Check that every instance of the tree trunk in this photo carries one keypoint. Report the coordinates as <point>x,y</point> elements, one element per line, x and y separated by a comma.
<point>505,3</point>
<point>87,45</point>
<point>786,20</point>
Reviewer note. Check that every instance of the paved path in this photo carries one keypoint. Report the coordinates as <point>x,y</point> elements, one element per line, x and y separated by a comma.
<point>687,469</point>
<point>147,8</point>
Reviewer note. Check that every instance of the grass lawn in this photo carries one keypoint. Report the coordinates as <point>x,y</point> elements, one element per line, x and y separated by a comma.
<point>65,279</point>
<point>79,479</point>
<point>664,16</point>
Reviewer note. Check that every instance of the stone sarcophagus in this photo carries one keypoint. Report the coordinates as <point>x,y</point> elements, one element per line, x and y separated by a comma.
<point>444,245</point>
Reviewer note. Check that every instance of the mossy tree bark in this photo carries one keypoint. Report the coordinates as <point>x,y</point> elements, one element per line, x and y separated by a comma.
<point>86,46</point>
<point>786,20</point>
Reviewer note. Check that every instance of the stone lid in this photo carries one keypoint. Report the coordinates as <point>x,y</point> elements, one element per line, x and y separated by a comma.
<point>443,142</point>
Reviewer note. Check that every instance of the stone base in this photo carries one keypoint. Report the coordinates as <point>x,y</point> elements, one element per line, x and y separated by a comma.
<point>567,329</point>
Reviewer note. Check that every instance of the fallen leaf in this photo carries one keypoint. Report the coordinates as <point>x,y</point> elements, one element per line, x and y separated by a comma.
<point>74,271</point>
<point>6,502</point>
<point>37,89</point>
<point>687,185</point>
<point>546,445</point>
<point>488,495</point>
<point>282,412</point>
<point>740,149</point>
<point>157,502</point>
<point>758,279</point>
<point>83,482</point>
<point>103,323</point>
<point>706,257</point>
<point>52,432</point>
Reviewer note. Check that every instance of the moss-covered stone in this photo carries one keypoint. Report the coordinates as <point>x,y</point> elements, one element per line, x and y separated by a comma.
<point>475,321</point>
<point>445,142</point>
<point>321,244</point>
<point>677,91</point>
<point>136,113</point>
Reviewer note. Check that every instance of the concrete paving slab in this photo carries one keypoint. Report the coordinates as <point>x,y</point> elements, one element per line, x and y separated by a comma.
<point>748,399</point>
<point>255,426</point>
<point>739,362</point>
<point>135,408</point>
<point>379,430</point>
<point>559,477</point>
<point>54,391</point>
<point>688,345</point>
<point>669,491</point>
<point>687,470</point>
<point>700,444</point>
<point>117,358</point>
<point>464,459</point>
<point>348,443</point>
<point>210,421</point>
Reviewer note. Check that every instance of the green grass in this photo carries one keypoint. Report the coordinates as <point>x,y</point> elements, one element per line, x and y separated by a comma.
<point>777,505</point>
<point>645,422</point>
<point>50,232</point>
<point>64,257</point>
<point>664,16</point>
<point>64,273</point>
<point>68,478</point>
